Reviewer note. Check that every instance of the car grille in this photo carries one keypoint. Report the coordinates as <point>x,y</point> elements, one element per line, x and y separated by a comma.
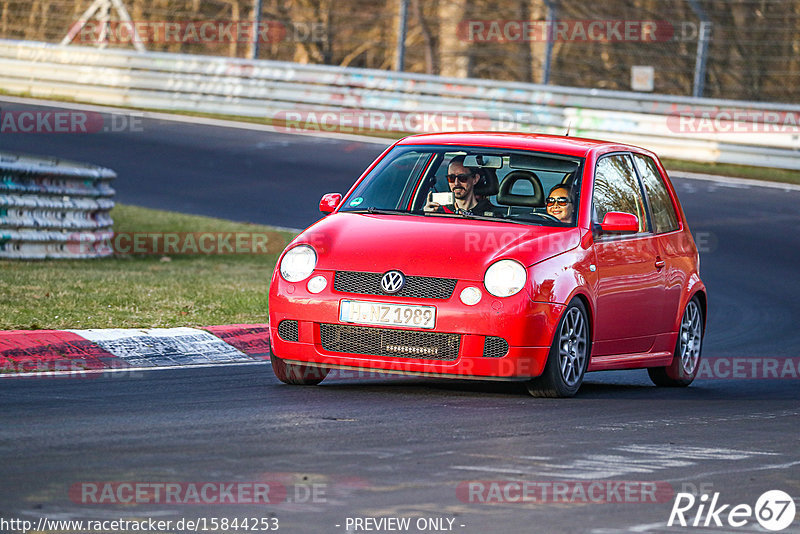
<point>389,342</point>
<point>287,330</point>
<point>419,287</point>
<point>495,347</point>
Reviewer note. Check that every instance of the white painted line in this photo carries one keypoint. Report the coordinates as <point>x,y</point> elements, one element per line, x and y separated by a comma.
<point>622,461</point>
<point>649,527</point>
<point>514,471</point>
<point>707,474</point>
<point>734,182</point>
<point>188,119</point>
<point>663,528</point>
<point>693,453</point>
<point>653,528</point>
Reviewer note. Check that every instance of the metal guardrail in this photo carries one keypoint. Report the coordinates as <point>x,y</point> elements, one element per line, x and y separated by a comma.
<point>269,89</point>
<point>54,208</point>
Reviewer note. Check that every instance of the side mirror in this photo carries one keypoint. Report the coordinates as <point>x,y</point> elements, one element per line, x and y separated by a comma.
<point>329,202</point>
<point>618,222</point>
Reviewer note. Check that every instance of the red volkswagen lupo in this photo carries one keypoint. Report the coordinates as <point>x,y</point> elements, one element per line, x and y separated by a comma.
<point>491,255</point>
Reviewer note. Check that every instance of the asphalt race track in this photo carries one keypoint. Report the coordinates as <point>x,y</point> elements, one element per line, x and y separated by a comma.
<point>375,447</point>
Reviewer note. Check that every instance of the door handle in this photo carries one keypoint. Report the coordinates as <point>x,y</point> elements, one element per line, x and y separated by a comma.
<point>660,264</point>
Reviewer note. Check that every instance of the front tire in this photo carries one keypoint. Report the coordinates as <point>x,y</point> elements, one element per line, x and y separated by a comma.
<point>569,356</point>
<point>686,359</point>
<point>296,375</point>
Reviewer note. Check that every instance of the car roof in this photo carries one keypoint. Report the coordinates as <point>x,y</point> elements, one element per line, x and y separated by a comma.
<point>571,146</point>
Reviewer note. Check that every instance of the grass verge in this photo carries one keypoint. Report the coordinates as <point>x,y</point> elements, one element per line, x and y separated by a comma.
<point>142,291</point>
<point>740,171</point>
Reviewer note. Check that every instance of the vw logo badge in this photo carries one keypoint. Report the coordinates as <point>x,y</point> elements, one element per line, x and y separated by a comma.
<point>392,282</point>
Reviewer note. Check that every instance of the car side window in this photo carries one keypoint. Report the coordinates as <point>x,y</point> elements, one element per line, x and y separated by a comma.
<point>616,188</point>
<point>665,219</point>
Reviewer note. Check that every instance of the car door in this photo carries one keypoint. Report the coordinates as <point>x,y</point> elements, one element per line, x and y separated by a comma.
<point>672,247</point>
<point>630,286</point>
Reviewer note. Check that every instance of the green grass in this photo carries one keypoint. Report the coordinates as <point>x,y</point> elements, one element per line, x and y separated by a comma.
<point>142,291</point>
<point>740,171</point>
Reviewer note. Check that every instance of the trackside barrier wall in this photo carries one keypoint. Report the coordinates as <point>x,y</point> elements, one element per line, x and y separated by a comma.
<point>54,209</point>
<point>760,134</point>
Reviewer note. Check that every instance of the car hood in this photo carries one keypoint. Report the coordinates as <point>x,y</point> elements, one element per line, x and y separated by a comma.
<point>429,246</point>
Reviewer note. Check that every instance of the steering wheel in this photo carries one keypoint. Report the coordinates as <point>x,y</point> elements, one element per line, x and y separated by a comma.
<point>548,217</point>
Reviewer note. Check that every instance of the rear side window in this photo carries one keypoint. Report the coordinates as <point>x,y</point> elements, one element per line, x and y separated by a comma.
<point>664,217</point>
<point>616,188</point>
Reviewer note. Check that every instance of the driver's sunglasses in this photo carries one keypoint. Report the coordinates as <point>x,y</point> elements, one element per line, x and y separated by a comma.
<point>460,177</point>
<point>561,201</point>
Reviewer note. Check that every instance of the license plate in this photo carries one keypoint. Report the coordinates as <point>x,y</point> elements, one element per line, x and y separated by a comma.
<point>381,313</point>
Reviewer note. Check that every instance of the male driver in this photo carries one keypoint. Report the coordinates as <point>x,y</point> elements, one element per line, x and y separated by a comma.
<point>462,182</point>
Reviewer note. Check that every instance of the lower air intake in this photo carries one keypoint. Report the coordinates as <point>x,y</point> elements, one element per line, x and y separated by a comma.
<point>287,330</point>
<point>389,342</point>
<point>495,347</point>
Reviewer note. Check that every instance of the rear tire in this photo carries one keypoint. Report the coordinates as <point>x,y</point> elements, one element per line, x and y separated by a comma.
<point>569,356</point>
<point>294,374</point>
<point>686,358</point>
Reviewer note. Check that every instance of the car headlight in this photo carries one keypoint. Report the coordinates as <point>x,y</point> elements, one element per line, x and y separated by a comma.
<point>298,263</point>
<point>505,278</point>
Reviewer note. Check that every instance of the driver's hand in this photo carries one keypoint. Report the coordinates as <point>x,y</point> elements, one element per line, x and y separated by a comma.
<point>431,205</point>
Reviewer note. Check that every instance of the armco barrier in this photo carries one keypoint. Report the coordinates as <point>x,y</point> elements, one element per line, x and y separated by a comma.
<point>54,209</point>
<point>761,134</point>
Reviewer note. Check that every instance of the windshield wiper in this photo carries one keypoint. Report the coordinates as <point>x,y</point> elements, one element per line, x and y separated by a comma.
<point>385,211</point>
<point>382,211</point>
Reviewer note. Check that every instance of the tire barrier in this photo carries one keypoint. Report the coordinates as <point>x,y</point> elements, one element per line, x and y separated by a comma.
<point>54,208</point>
<point>335,99</point>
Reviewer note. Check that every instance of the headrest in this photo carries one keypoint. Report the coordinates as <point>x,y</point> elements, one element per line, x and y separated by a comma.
<point>487,185</point>
<point>505,196</point>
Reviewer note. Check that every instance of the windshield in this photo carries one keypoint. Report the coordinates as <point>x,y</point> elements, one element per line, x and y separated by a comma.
<point>472,183</point>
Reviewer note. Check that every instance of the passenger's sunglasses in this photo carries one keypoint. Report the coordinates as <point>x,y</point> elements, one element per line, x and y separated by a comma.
<point>561,201</point>
<point>460,177</point>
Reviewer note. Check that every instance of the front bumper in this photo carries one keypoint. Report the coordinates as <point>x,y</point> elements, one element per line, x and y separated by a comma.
<point>526,326</point>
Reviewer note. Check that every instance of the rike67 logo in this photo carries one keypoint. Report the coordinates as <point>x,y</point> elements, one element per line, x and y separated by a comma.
<point>774,510</point>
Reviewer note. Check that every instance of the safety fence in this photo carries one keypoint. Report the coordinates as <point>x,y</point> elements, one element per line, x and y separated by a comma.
<point>299,97</point>
<point>733,49</point>
<point>53,209</point>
